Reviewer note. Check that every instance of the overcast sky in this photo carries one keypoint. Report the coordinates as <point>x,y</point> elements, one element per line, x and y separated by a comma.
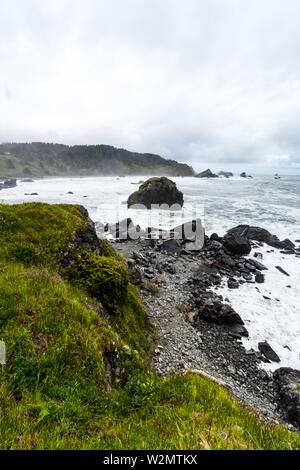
<point>211,82</point>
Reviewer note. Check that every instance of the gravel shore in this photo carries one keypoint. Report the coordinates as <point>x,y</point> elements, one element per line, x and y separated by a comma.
<point>170,285</point>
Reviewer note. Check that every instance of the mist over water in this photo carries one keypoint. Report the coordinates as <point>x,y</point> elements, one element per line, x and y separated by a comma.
<point>222,204</point>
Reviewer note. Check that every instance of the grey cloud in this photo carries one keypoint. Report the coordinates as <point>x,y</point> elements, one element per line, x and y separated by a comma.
<point>207,82</point>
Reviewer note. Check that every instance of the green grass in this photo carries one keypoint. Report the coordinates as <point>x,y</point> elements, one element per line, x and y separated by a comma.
<point>36,233</point>
<point>10,165</point>
<point>77,374</point>
<point>180,413</point>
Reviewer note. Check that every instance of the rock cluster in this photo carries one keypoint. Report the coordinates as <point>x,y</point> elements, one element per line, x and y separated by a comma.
<point>262,235</point>
<point>8,183</point>
<point>176,290</point>
<point>198,328</point>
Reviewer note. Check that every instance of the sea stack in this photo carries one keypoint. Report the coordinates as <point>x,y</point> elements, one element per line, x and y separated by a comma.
<point>157,190</point>
<point>207,174</point>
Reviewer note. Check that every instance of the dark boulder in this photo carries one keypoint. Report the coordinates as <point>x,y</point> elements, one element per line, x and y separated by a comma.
<point>8,183</point>
<point>258,265</point>
<point>260,234</point>
<point>233,284</point>
<point>207,174</point>
<point>287,381</point>
<point>226,260</point>
<point>171,246</point>
<point>135,274</point>
<point>158,191</point>
<point>237,245</point>
<point>215,237</point>
<point>237,331</point>
<point>217,312</point>
<point>268,352</point>
<point>281,270</point>
<point>274,241</point>
<point>251,232</point>
<point>260,278</point>
<point>243,175</point>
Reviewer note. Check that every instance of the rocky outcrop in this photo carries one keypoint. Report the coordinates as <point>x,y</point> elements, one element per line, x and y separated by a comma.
<point>207,174</point>
<point>251,232</point>
<point>135,274</point>
<point>8,183</point>
<point>261,235</point>
<point>244,175</point>
<point>83,238</point>
<point>157,191</point>
<point>237,244</point>
<point>217,312</point>
<point>287,381</point>
<point>226,174</point>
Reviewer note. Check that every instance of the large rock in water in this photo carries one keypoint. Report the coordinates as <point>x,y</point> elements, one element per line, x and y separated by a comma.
<point>157,191</point>
<point>268,352</point>
<point>287,381</point>
<point>261,235</point>
<point>8,183</point>
<point>237,245</point>
<point>207,174</point>
<point>253,233</point>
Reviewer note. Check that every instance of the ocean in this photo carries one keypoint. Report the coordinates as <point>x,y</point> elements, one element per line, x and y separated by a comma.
<point>221,203</point>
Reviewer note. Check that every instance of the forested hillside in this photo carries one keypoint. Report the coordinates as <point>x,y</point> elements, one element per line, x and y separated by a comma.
<point>43,159</point>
